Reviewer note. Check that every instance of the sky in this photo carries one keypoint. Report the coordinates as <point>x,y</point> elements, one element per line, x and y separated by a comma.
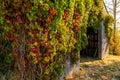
<point>109,4</point>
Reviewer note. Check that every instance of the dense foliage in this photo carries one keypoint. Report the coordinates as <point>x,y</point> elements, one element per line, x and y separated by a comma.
<point>108,20</point>
<point>37,36</point>
<point>114,43</point>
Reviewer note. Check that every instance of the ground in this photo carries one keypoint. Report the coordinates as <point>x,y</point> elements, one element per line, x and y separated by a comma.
<point>95,69</point>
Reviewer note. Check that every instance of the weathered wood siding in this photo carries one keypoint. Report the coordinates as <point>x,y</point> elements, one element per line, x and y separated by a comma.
<point>102,43</point>
<point>69,68</point>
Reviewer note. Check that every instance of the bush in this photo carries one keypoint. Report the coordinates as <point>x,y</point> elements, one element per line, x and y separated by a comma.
<point>115,44</point>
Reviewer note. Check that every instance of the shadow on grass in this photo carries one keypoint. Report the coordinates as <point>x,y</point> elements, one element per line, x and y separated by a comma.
<point>96,69</point>
<point>86,58</point>
<point>100,70</point>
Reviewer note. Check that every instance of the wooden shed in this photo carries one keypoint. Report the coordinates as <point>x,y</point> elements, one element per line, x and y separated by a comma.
<point>97,43</point>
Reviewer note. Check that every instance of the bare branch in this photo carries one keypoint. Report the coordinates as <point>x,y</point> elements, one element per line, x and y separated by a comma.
<point>113,1</point>
<point>118,2</point>
<point>118,6</point>
<point>110,8</point>
<point>105,7</point>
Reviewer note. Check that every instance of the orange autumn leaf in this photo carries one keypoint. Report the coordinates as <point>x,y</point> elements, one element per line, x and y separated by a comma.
<point>52,14</point>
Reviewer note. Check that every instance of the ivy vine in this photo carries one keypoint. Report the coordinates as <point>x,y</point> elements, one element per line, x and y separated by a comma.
<point>40,35</point>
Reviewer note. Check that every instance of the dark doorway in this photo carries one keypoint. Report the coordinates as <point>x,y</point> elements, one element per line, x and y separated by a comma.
<point>91,49</point>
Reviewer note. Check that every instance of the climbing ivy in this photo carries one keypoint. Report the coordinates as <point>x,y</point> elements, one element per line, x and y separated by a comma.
<point>40,35</point>
<point>96,15</point>
<point>108,20</point>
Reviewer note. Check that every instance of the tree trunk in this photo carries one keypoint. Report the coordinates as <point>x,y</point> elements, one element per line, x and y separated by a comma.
<point>114,7</point>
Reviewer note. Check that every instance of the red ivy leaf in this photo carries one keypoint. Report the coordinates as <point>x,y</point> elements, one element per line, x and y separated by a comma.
<point>19,20</point>
<point>35,50</point>
<point>52,13</point>
<point>27,21</point>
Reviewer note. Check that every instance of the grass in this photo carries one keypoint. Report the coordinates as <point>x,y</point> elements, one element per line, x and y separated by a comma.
<point>94,69</point>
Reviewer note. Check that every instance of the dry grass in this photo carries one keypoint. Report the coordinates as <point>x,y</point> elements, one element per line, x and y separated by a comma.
<point>94,69</point>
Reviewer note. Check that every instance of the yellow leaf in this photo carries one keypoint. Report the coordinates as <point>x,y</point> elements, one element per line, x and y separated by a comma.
<point>46,59</point>
<point>35,43</point>
<point>32,54</point>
